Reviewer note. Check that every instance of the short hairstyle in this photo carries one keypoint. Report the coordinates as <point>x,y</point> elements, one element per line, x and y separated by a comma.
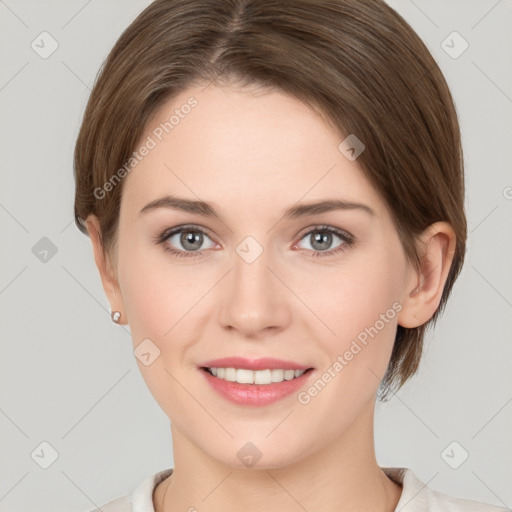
<point>358,64</point>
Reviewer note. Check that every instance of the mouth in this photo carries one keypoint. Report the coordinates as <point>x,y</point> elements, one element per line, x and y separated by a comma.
<point>260,382</point>
<point>258,377</point>
<point>263,371</point>
<point>255,377</point>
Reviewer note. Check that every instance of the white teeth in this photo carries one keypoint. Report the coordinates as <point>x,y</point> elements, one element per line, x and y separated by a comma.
<point>277,375</point>
<point>255,377</point>
<point>262,377</point>
<point>242,376</point>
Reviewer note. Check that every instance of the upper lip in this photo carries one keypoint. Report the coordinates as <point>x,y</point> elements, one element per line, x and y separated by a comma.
<point>254,364</point>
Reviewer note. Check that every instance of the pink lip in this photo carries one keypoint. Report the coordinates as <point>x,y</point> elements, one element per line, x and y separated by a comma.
<point>255,394</point>
<point>254,364</point>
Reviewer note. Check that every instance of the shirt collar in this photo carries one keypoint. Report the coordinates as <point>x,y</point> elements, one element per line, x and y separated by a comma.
<point>415,497</point>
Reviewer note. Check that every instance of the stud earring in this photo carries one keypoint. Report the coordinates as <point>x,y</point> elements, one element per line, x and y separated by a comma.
<point>116,316</point>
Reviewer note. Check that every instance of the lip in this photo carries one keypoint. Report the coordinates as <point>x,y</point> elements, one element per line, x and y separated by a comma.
<point>263,363</point>
<point>256,395</point>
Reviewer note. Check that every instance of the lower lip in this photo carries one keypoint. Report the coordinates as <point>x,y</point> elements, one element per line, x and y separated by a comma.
<point>256,394</point>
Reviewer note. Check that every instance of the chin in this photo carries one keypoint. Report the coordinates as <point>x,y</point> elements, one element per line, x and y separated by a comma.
<point>258,455</point>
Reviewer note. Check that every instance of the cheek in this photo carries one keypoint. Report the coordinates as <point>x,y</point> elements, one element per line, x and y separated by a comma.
<point>153,292</point>
<point>156,298</point>
<point>358,305</point>
<point>354,296</point>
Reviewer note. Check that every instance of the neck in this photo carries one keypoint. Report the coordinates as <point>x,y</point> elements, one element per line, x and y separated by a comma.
<point>342,475</point>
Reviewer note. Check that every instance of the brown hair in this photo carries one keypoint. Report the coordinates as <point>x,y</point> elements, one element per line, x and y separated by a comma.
<point>358,63</point>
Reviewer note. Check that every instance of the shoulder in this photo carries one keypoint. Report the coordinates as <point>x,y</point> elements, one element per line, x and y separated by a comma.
<point>140,500</point>
<point>418,497</point>
<point>123,504</point>
<point>444,502</point>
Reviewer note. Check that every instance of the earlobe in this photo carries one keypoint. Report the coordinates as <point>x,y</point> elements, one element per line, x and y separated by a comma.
<point>425,288</point>
<point>108,279</point>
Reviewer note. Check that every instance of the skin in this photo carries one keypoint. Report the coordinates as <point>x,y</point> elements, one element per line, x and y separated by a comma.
<point>253,155</point>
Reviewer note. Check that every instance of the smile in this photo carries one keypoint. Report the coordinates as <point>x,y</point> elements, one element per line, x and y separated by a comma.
<point>264,377</point>
<point>255,387</point>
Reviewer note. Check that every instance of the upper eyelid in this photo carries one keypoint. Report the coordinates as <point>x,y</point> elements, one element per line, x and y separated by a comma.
<point>167,233</point>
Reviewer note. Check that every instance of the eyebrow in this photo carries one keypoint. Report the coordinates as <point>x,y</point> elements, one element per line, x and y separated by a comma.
<point>298,211</point>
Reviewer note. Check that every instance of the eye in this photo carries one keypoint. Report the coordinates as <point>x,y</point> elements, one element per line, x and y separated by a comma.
<point>321,240</point>
<point>190,238</point>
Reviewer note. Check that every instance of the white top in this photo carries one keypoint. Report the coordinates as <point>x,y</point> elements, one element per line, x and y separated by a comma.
<point>416,496</point>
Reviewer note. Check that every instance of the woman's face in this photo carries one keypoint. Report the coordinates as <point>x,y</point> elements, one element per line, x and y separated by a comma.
<point>254,282</point>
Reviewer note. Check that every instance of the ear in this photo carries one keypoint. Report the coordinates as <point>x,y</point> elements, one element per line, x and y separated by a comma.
<point>424,287</point>
<point>105,268</point>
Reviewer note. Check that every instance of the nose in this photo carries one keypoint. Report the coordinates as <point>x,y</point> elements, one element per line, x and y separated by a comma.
<point>253,298</point>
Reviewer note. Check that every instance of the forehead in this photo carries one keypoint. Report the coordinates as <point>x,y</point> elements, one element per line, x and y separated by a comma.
<point>243,149</point>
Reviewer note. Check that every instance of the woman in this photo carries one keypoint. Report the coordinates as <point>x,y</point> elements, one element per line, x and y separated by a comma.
<point>274,193</point>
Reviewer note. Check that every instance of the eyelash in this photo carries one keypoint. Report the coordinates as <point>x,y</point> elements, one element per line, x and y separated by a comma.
<point>348,240</point>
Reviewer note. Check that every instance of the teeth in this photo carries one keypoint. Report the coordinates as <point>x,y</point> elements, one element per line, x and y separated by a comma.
<point>255,377</point>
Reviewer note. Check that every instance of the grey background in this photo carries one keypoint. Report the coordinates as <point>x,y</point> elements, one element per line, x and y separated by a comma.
<point>68,374</point>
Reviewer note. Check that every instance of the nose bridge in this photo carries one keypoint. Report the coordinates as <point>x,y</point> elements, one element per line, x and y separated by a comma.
<point>253,299</point>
